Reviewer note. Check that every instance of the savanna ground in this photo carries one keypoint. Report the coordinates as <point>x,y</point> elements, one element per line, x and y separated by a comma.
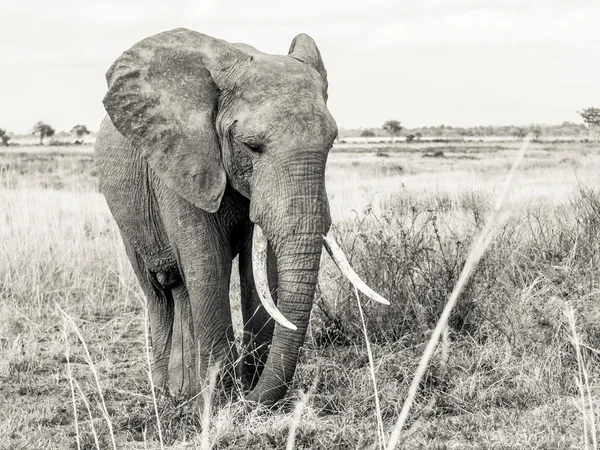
<point>406,222</point>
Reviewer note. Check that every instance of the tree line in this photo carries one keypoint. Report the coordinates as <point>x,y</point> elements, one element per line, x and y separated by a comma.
<point>43,130</point>
<point>394,128</point>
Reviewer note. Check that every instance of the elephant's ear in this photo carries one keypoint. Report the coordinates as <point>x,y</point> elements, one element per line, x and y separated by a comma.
<point>303,48</point>
<point>163,95</point>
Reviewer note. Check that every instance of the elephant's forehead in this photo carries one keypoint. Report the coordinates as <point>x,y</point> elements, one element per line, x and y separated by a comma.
<point>268,76</point>
<point>307,119</point>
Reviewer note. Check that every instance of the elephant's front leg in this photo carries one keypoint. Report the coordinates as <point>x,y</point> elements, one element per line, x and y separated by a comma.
<point>258,325</point>
<point>203,336</point>
<point>207,321</point>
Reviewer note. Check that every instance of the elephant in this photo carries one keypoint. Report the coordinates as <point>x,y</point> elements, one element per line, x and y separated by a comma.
<point>212,150</point>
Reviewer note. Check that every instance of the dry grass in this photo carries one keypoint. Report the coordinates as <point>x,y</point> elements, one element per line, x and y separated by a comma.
<point>406,222</point>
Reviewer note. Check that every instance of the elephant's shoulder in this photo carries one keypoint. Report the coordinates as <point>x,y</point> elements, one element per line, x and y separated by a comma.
<point>249,49</point>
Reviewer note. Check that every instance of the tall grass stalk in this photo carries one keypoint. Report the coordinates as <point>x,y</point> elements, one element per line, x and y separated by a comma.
<point>70,379</point>
<point>90,415</point>
<point>207,400</point>
<point>380,432</point>
<point>298,411</point>
<point>483,240</point>
<point>418,423</point>
<point>582,381</point>
<point>296,419</point>
<point>94,372</point>
<point>152,388</point>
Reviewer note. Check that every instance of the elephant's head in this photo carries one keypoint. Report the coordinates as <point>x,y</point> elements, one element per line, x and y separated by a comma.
<point>206,113</point>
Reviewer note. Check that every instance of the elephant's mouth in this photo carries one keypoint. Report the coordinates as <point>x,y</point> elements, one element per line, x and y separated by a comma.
<point>259,267</point>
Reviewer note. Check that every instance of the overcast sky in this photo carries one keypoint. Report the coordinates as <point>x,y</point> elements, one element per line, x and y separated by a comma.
<point>424,62</point>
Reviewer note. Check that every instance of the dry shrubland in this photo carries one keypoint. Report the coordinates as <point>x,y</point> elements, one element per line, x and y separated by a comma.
<point>406,223</point>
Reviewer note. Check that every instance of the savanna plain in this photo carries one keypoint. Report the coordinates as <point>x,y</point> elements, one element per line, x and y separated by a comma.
<point>522,368</point>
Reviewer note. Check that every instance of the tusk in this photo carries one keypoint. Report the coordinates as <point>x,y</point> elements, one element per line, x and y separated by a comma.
<point>341,261</point>
<point>261,282</point>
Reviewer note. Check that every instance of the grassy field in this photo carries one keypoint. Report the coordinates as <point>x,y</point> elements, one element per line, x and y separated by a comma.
<point>406,217</point>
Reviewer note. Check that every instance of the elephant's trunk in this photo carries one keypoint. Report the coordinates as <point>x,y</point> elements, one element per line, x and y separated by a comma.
<point>289,203</point>
<point>298,259</point>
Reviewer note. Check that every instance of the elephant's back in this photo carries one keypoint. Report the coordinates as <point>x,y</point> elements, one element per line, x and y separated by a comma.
<point>129,185</point>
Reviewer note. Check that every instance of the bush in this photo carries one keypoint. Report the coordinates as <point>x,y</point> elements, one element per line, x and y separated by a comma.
<point>538,261</point>
<point>436,154</point>
<point>367,133</point>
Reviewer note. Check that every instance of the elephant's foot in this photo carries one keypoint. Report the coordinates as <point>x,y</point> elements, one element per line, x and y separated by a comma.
<point>202,372</point>
<point>181,380</point>
<point>220,372</point>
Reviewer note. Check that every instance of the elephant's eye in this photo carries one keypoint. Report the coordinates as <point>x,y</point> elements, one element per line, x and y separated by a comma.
<point>254,147</point>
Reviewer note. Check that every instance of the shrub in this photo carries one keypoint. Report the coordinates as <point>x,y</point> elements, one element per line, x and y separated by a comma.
<point>538,261</point>
<point>4,137</point>
<point>367,133</point>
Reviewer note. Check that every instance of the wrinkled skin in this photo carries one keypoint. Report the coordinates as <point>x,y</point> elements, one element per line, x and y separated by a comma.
<point>204,139</point>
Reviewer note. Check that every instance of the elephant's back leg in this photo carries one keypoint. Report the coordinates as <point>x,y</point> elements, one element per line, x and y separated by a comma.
<point>171,330</point>
<point>157,288</point>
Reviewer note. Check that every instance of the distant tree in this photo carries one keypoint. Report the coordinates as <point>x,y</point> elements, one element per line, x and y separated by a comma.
<point>410,137</point>
<point>44,130</point>
<point>392,127</point>
<point>4,137</point>
<point>418,135</point>
<point>519,133</point>
<point>537,132</point>
<point>503,130</point>
<point>79,131</point>
<point>367,133</point>
<point>591,116</point>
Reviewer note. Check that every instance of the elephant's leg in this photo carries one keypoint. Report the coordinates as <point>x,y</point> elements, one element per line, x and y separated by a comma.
<point>206,325</point>
<point>182,370</point>
<point>201,243</point>
<point>258,326</point>
<point>203,336</point>
<point>160,315</point>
